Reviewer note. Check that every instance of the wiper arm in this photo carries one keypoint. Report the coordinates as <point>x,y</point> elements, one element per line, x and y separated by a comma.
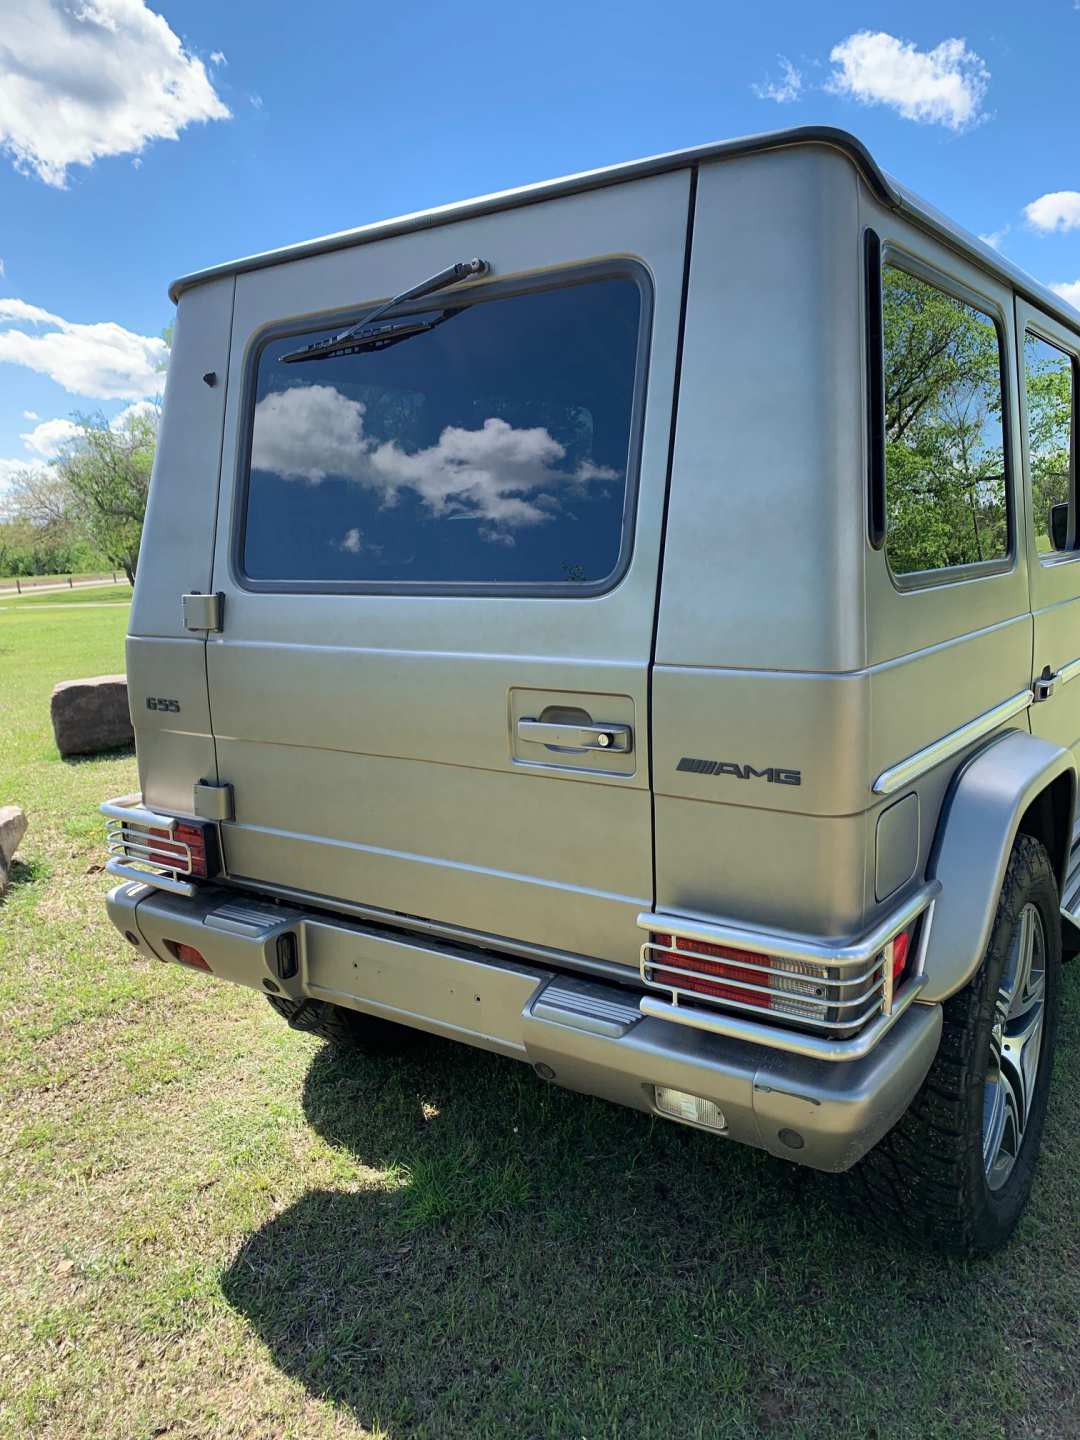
<point>361,337</point>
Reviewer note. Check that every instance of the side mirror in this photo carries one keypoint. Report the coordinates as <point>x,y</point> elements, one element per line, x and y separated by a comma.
<point>1059,525</point>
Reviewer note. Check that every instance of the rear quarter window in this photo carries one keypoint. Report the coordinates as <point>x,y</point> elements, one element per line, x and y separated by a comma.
<point>496,449</point>
<point>946,480</point>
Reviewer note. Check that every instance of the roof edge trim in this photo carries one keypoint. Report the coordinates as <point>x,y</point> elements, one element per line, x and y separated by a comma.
<point>826,135</point>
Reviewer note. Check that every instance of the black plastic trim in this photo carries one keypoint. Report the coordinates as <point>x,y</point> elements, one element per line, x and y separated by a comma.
<point>875,391</point>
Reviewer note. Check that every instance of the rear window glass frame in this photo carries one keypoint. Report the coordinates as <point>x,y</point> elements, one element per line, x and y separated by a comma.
<point>484,293</point>
<point>906,581</point>
<point>1049,559</point>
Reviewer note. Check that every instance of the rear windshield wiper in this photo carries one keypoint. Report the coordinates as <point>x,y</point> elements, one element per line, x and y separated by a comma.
<point>365,335</point>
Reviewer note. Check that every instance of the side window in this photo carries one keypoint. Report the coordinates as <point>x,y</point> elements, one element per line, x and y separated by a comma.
<point>489,443</point>
<point>946,496</point>
<point>1049,382</point>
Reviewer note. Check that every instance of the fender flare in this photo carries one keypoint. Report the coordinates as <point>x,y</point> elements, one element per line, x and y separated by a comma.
<point>983,810</point>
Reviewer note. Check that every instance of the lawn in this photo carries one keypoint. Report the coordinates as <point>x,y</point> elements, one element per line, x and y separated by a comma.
<point>119,594</point>
<point>213,1227</point>
<point>27,582</point>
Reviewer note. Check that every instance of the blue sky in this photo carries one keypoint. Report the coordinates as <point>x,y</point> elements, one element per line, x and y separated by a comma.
<point>138,143</point>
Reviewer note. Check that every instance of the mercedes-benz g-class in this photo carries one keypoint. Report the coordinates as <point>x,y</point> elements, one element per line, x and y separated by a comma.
<point>628,624</point>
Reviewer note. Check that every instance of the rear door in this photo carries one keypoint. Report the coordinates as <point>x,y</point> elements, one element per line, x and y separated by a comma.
<point>1049,360</point>
<point>439,563</point>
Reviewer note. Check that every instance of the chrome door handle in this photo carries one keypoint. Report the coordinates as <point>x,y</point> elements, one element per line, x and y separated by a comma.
<point>1046,684</point>
<point>577,737</point>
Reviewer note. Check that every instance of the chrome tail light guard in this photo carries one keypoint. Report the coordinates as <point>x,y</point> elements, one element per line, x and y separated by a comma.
<point>831,1001</point>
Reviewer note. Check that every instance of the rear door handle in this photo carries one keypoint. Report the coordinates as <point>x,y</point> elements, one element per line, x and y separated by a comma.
<point>577,737</point>
<point>1048,682</point>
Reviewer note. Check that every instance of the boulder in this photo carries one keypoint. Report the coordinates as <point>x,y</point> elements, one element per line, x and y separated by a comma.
<point>91,715</point>
<point>12,829</point>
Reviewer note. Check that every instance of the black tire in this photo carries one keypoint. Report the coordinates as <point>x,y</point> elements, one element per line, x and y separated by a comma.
<point>927,1180</point>
<point>348,1029</point>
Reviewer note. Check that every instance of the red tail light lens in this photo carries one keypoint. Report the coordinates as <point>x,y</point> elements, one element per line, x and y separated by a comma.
<point>799,992</point>
<point>187,848</point>
<point>901,954</point>
<point>719,961</point>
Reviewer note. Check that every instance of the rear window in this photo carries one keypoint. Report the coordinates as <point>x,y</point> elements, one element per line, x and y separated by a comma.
<point>494,449</point>
<point>945,471</point>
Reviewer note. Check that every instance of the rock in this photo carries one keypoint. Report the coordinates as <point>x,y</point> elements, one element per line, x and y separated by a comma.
<point>12,829</point>
<point>91,715</point>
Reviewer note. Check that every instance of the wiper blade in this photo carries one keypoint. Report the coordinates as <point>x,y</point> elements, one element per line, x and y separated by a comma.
<point>360,336</point>
<point>368,337</point>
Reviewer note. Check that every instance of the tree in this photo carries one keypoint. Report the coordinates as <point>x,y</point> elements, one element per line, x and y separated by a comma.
<point>1048,380</point>
<point>944,449</point>
<point>106,472</point>
<point>40,498</point>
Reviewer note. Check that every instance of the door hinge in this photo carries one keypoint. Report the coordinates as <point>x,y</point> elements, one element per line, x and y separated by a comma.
<point>204,612</point>
<point>213,802</point>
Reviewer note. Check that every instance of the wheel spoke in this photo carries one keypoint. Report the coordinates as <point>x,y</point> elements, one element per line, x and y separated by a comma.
<point>1015,1046</point>
<point>993,1124</point>
<point>1020,1058</point>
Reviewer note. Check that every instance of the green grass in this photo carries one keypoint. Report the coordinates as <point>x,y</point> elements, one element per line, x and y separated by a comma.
<point>119,594</point>
<point>27,582</point>
<point>213,1227</point>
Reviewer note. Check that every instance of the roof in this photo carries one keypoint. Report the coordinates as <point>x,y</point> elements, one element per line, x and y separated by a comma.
<point>884,187</point>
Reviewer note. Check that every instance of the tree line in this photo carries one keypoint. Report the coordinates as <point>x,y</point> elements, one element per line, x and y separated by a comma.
<point>85,510</point>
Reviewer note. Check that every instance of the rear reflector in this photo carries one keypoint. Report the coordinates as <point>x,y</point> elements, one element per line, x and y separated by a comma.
<point>186,954</point>
<point>682,1106</point>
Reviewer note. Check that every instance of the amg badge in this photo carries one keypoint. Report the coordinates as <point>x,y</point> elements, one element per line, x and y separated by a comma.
<point>774,774</point>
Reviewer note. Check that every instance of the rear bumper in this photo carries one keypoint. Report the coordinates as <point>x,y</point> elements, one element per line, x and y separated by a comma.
<point>585,1035</point>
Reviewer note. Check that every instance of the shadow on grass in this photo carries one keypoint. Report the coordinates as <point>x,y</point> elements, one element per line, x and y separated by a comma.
<point>541,1264</point>
<point>117,752</point>
<point>25,872</point>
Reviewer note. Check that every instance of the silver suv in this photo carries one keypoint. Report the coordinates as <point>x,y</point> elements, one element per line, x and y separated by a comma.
<point>642,649</point>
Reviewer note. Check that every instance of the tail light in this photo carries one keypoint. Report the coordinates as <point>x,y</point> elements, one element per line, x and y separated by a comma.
<point>744,977</point>
<point>898,953</point>
<point>836,998</point>
<point>191,847</point>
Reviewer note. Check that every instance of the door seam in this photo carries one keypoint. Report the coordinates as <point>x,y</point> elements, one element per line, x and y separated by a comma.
<point>676,388</point>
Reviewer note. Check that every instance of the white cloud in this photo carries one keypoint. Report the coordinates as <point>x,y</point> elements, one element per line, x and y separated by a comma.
<point>101,77</point>
<point>133,411</point>
<point>1059,210</point>
<point>256,101</point>
<point>1069,290</point>
<point>499,474</point>
<point>784,90</point>
<point>30,415</point>
<point>103,361</point>
<point>50,437</point>
<point>943,86</point>
<point>217,57</point>
<point>995,237</point>
<point>3,269</point>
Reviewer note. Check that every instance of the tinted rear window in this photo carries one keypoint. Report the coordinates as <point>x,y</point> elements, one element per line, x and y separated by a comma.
<point>493,449</point>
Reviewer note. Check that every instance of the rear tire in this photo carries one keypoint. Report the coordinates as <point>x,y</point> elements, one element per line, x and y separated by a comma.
<point>347,1029</point>
<point>955,1172</point>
